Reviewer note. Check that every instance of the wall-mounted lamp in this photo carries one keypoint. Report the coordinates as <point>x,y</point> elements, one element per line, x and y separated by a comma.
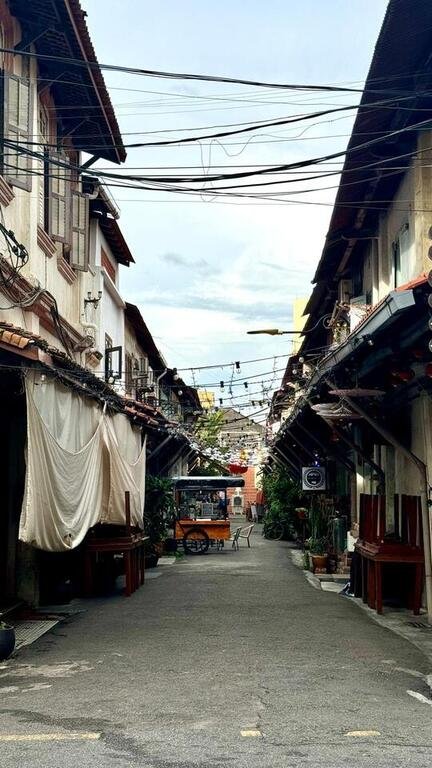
<point>92,299</point>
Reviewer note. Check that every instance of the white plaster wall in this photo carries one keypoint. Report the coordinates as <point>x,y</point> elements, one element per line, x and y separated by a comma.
<point>398,214</point>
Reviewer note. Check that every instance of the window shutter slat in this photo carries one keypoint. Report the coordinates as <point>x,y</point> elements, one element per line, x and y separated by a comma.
<point>17,123</point>
<point>59,199</point>
<point>13,91</point>
<point>41,190</point>
<point>79,252</point>
<point>43,171</point>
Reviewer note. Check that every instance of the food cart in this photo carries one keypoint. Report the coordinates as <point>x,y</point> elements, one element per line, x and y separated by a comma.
<point>202,512</point>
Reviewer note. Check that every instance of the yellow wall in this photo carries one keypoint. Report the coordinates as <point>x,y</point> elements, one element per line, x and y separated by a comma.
<point>298,321</point>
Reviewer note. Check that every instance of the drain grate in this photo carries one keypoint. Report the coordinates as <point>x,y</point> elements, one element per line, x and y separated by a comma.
<point>26,632</point>
<point>420,625</point>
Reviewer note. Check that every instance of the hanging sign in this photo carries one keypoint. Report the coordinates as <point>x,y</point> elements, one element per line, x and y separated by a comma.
<point>313,479</point>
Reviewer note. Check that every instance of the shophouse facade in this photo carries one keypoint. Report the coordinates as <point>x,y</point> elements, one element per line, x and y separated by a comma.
<point>362,403</point>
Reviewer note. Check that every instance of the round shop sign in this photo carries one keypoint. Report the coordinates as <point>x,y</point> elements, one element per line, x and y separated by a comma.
<point>313,478</point>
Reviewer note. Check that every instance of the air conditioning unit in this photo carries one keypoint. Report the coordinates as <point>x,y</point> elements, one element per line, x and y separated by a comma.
<point>344,291</point>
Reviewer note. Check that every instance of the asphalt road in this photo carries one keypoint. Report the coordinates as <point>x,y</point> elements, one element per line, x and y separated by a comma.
<point>231,659</point>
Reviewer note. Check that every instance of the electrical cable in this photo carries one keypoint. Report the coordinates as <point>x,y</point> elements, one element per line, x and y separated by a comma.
<point>216,177</point>
<point>176,75</point>
<point>389,103</point>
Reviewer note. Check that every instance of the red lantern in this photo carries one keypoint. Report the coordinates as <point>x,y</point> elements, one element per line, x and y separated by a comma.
<point>237,469</point>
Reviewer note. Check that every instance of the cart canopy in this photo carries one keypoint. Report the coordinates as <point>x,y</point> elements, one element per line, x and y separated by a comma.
<point>212,482</point>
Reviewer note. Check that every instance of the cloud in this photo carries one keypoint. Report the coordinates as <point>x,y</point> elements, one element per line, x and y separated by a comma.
<point>173,258</point>
<point>251,311</point>
<point>200,265</point>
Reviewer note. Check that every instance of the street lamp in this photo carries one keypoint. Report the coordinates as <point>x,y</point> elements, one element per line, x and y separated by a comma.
<point>272,332</point>
<point>324,320</point>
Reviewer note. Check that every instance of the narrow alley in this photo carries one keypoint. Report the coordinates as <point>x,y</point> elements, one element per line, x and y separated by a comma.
<point>231,658</point>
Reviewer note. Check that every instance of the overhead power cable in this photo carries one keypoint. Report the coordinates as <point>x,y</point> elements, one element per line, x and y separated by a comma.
<point>179,75</point>
<point>219,177</point>
<point>250,128</point>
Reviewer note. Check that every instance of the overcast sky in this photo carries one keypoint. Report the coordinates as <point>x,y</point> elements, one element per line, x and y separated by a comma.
<point>208,270</point>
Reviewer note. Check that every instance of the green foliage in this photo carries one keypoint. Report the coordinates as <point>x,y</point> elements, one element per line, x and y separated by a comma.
<point>208,428</point>
<point>207,469</point>
<point>207,433</point>
<point>319,527</point>
<point>317,520</point>
<point>318,546</point>
<point>158,508</point>
<point>283,495</point>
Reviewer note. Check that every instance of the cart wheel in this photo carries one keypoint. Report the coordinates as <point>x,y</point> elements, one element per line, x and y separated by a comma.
<point>195,541</point>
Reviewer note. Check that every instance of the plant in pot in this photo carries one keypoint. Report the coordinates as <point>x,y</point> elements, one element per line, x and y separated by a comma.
<point>7,640</point>
<point>159,505</point>
<point>318,542</point>
<point>318,554</point>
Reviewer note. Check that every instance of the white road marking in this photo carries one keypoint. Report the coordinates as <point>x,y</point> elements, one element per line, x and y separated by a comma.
<point>420,697</point>
<point>251,734</point>
<point>62,669</point>
<point>49,736</point>
<point>412,672</point>
<point>363,733</point>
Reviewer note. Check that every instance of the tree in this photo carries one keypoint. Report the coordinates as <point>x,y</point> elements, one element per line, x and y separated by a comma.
<point>207,434</point>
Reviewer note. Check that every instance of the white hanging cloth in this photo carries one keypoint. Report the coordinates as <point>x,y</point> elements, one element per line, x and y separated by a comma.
<point>80,462</point>
<point>127,459</point>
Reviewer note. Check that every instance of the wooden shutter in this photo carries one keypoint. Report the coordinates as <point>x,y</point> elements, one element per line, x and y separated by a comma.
<point>43,171</point>
<point>17,113</point>
<point>59,199</point>
<point>80,230</point>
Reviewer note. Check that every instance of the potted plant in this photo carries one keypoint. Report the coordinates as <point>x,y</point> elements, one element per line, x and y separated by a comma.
<point>318,542</point>
<point>318,554</point>
<point>7,640</point>
<point>159,505</point>
<point>301,513</point>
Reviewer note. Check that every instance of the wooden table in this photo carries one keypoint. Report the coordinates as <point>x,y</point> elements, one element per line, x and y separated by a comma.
<point>403,546</point>
<point>374,556</point>
<point>130,546</point>
<point>117,540</point>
